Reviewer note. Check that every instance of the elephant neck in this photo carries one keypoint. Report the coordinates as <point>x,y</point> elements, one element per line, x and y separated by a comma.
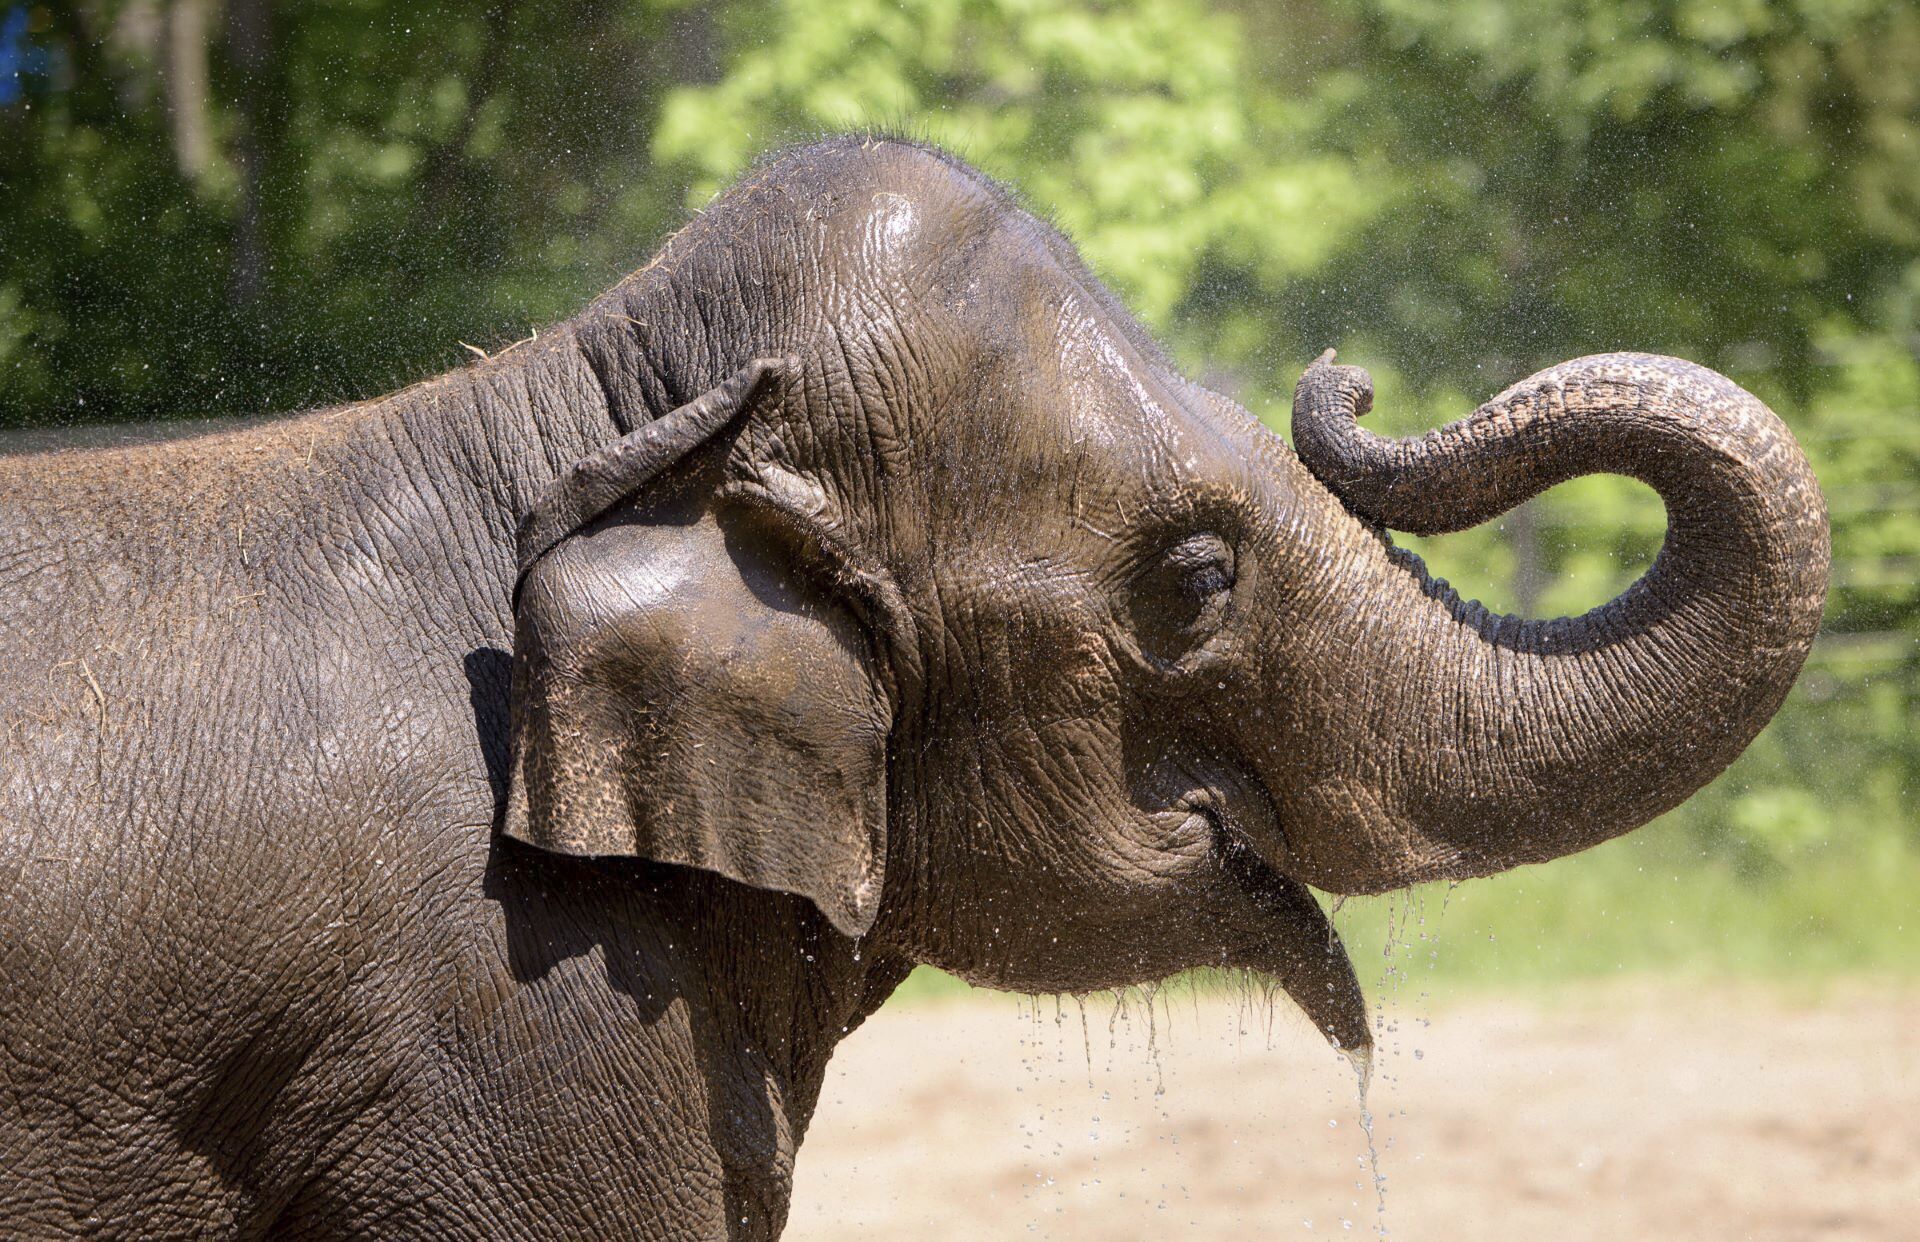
<point>504,428</point>
<point>682,1019</point>
<point>782,990</point>
<point>781,987</point>
<point>445,469</point>
<point>765,1079</point>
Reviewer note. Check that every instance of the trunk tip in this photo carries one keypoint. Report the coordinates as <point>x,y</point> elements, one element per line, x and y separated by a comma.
<point>1328,390</point>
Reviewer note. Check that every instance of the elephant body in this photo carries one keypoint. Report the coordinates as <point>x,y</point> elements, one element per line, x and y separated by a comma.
<point>481,811</point>
<point>267,967</point>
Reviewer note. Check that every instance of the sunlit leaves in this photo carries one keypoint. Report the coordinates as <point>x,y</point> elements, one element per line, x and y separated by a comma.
<point>1136,126</point>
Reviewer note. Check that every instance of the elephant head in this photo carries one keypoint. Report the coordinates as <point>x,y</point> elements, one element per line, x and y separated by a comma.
<point>941,599</point>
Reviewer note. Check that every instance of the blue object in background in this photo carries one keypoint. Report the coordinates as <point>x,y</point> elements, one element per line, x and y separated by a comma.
<point>18,58</point>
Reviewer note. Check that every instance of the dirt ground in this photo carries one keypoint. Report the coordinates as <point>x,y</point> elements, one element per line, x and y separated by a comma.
<point>1663,1114</point>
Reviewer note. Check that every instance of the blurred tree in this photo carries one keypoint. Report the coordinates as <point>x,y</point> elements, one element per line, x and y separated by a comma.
<point>212,207</point>
<point>1137,127</point>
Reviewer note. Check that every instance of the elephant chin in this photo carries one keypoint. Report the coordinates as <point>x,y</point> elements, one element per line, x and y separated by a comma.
<point>1303,954</point>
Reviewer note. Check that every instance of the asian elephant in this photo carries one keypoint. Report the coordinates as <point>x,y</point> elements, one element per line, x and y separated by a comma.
<point>479,812</point>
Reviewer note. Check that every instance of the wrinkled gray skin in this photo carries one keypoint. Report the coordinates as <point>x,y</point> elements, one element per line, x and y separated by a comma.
<point>971,635</point>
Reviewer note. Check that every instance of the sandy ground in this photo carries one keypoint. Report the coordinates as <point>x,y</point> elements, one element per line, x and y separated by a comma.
<point>1673,1113</point>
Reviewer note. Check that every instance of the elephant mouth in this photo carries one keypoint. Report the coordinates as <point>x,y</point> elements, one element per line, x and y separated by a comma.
<point>1297,944</point>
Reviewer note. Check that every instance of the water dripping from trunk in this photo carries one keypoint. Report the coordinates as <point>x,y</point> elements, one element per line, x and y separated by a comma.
<point>1363,1076</point>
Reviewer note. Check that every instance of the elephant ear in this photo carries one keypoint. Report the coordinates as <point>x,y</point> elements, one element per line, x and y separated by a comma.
<point>687,690</point>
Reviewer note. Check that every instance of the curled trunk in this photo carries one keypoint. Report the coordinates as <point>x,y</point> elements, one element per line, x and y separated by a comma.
<point>1489,740</point>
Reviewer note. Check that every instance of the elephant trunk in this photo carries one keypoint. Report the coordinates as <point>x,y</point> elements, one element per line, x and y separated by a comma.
<point>1468,741</point>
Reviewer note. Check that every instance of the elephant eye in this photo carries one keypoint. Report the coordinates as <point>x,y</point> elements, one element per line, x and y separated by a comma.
<point>1179,595</point>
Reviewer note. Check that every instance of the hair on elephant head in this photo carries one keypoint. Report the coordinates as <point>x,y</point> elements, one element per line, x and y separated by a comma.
<point>963,615</point>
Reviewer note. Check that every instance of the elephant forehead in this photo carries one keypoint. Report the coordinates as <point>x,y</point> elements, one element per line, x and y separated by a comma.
<point>1115,401</point>
<point>1136,433</point>
<point>890,227</point>
<point>1068,409</point>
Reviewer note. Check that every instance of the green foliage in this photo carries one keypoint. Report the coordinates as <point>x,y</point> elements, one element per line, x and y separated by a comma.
<point>1455,195</point>
<point>389,180</point>
<point>1128,124</point>
<point>1649,903</point>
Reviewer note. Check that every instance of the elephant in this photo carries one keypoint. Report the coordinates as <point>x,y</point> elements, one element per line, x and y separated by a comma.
<point>480,811</point>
